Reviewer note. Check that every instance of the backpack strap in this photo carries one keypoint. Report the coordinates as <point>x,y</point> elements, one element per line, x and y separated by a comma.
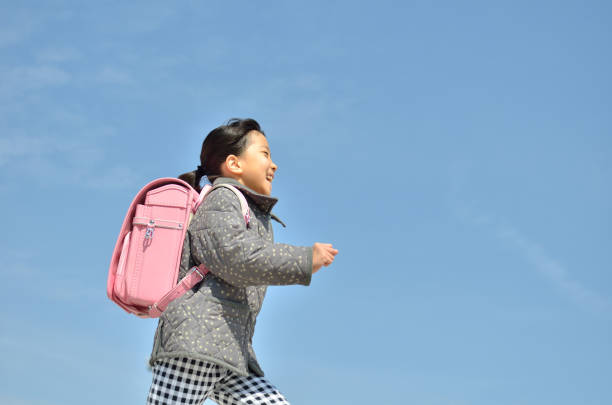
<point>197,274</point>
<point>244,205</point>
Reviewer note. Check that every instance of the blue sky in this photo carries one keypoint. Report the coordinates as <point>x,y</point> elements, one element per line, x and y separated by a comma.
<point>456,153</point>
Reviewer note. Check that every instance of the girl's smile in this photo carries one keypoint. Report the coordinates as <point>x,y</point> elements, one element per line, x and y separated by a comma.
<point>257,168</point>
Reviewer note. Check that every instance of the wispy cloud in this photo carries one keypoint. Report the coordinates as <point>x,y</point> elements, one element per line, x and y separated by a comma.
<point>62,161</point>
<point>552,269</point>
<point>43,285</point>
<point>114,75</point>
<point>57,54</point>
<point>20,21</point>
<point>14,147</point>
<point>15,26</point>
<point>59,143</point>
<point>9,400</point>
<point>546,264</point>
<point>18,79</point>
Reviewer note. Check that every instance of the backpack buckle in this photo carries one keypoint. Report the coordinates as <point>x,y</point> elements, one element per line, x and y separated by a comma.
<point>150,230</point>
<point>197,270</point>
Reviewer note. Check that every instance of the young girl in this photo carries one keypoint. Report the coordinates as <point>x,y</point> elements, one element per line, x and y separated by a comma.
<point>203,344</point>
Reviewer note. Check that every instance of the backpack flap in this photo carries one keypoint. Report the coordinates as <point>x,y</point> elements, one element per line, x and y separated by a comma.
<point>162,196</point>
<point>144,268</point>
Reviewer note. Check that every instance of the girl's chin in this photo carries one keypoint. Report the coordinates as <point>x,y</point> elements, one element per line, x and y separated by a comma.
<point>264,189</point>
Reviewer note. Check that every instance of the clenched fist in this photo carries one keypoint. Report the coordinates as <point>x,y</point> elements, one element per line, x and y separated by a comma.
<point>322,255</point>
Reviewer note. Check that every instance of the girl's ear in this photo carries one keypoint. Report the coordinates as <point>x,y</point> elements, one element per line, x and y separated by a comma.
<point>232,165</point>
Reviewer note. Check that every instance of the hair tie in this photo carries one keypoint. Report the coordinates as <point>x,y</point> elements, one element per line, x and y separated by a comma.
<point>200,171</point>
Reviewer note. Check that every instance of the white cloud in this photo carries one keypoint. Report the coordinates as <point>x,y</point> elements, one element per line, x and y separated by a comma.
<point>51,142</point>
<point>41,284</point>
<point>15,27</point>
<point>20,146</point>
<point>9,400</point>
<point>114,177</point>
<point>551,268</point>
<point>16,147</point>
<point>57,55</point>
<point>24,78</point>
<point>114,75</point>
<point>75,160</point>
<point>149,18</point>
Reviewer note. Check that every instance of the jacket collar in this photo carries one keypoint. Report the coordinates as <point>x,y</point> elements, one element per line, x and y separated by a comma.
<point>263,202</point>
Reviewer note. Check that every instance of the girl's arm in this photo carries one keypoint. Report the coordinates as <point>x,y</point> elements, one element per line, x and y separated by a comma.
<point>220,240</point>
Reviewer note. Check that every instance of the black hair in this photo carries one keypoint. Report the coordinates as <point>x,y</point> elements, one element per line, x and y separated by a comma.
<point>228,139</point>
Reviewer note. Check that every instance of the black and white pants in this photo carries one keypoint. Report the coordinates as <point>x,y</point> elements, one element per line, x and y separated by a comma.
<point>186,381</point>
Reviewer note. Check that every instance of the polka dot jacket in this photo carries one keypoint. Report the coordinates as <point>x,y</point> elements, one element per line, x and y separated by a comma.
<point>215,320</point>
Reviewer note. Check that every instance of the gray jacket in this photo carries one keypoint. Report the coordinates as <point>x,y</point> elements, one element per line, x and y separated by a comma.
<point>215,320</point>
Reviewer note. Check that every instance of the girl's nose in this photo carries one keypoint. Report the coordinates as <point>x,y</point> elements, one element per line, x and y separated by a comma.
<point>274,166</point>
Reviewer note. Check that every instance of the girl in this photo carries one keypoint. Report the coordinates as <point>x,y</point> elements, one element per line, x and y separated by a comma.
<point>203,344</point>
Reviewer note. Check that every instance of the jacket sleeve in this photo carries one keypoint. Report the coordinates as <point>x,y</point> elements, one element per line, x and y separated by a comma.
<point>242,258</point>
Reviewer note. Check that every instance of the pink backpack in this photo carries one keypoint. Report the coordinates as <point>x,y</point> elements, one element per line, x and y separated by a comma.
<point>144,269</point>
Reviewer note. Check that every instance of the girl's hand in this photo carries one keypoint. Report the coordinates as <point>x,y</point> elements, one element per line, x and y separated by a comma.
<point>322,255</point>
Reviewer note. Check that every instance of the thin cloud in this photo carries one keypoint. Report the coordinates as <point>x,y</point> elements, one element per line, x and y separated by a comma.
<point>9,400</point>
<point>18,79</point>
<point>549,267</point>
<point>552,269</point>
<point>13,147</point>
<point>62,161</point>
<point>57,55</point>
<point>114,75</point>
<point>57,288</point>
<point>62,145</point>
<point>15,27</point>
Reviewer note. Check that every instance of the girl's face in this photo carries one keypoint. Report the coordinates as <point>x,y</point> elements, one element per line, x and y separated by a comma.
<point>256,163</point>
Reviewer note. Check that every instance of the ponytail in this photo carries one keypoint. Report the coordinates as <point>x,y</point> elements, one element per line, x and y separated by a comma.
<point>193,179</point>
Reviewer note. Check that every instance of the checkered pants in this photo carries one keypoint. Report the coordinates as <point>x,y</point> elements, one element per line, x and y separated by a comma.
<point>185,381</point>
